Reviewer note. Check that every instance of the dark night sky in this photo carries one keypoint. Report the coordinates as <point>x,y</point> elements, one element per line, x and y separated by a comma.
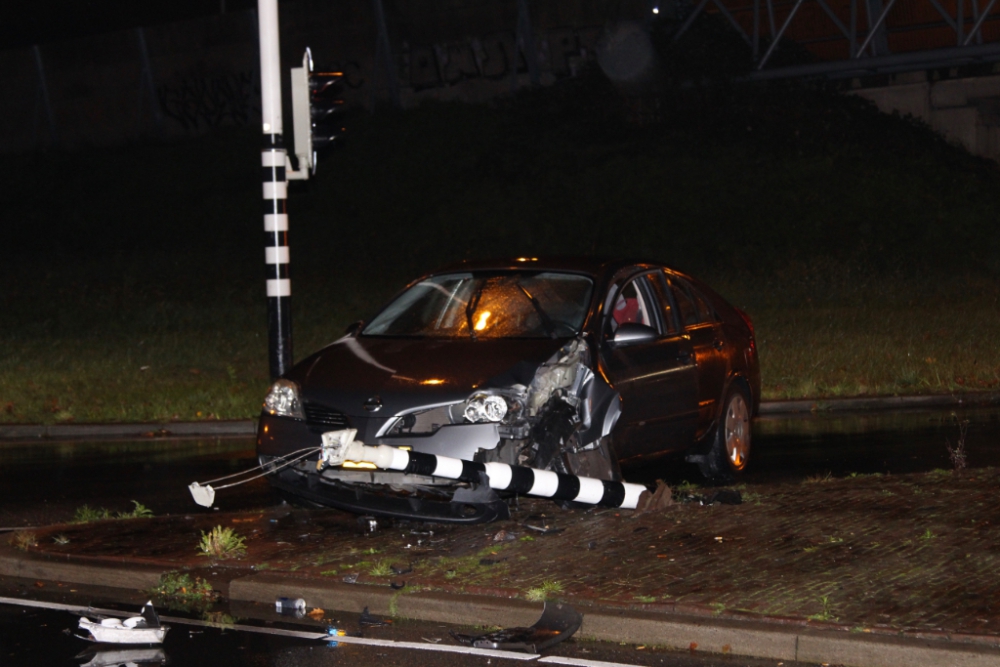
<point>27,22</point>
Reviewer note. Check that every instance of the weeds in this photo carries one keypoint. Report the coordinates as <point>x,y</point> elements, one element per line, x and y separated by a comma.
<point>818,479</point>
<point>219,619</point>
<point>222,543</point>
<point>87,514</point>
<point>541,593</point>
<point>61,540</point>
<point>827,613</point>
<point>179,592</point>
<point>381,568</point>
<point>139,511</point>
<point>23,540</point>
<point>957,453</point>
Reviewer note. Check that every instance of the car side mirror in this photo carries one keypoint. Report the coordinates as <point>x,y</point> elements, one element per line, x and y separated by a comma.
<point>354,328</point>
<point>630,333</point>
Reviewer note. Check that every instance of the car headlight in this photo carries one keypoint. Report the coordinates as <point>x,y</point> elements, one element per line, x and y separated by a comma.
<point>486,408</point>
<point>283,400</point>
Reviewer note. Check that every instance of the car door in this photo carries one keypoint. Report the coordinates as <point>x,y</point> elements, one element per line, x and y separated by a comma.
<point>704,329</point>
<point>656,376</point>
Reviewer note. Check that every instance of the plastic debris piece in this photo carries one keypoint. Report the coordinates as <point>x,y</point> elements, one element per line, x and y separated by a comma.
<point>203,495</point>
<point>317,613</point>
<point>656,500</point>
<point>350,578</point>
<point>401,569</point>
<point>368,525</point>
<point>397,585</point>
<point>557,623</point>
<point>366,620</point>
<point>142,629</point>
<point>545,530</point>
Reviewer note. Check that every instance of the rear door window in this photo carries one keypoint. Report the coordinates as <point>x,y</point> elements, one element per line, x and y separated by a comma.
<point>692,306</point>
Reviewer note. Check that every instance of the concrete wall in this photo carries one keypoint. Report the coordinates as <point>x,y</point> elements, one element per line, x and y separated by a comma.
<point>965,110</point>
<point>204,73</point>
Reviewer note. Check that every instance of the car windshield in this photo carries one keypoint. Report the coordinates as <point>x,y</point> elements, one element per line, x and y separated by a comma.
<point>509,304</point>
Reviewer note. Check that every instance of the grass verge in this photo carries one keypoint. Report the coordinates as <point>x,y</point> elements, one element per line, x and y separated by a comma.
<point>864,246</point>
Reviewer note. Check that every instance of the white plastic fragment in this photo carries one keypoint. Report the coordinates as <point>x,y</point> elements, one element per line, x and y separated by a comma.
<point>203,495</point>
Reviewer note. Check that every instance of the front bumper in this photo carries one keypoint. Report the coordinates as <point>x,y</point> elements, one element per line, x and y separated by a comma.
<point>384,493</point>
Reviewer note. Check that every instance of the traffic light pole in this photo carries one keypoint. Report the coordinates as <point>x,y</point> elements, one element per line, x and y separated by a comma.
<point>275,190</point>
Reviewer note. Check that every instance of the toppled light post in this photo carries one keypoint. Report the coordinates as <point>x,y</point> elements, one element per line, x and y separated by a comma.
<point>340,446</point>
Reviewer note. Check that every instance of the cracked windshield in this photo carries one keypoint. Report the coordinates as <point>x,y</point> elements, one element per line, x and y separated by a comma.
<point>505,305</point>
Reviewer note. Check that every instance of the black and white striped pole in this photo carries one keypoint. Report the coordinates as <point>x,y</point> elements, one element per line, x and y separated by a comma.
<point>275,190</point>
<point>340,446</point>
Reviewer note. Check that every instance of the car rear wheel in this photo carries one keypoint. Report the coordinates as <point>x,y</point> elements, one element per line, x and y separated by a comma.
<point>730,443</point>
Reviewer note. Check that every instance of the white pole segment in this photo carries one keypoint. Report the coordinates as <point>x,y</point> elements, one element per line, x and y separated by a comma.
<point>591,491</point>
<point>270,67</point>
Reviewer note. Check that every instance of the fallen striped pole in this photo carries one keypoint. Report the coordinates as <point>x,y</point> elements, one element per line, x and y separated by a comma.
<point>340,446</point>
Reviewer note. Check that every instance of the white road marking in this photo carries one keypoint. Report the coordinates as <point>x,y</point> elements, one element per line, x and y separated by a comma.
<point>320,636</point>
<point>580,662</point>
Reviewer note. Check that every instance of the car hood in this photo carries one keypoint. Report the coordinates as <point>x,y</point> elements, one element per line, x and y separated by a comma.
<point>409,372</point>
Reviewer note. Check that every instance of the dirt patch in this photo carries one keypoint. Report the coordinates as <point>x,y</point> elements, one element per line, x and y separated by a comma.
<point>913,552</point>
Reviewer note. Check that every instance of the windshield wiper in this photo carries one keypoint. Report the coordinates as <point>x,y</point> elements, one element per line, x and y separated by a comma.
<point>471,306</point>
<point>547,323</point>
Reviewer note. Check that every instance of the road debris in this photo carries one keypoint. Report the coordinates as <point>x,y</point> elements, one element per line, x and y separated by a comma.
<point>366,620</point>
<point>659,499</point>
<point>290,606</point>
<point>142,629</point>
<point>558,622</point>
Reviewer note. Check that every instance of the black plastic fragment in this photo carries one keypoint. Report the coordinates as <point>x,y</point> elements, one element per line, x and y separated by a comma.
<point>557,623</point>
<point>724,496</point>
<point>366,620</point>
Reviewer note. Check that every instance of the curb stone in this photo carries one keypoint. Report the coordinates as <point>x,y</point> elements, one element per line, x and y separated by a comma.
<point>711,635</point>
<point>808,405</point>
<point>151,430</point>
<point>248,427</point>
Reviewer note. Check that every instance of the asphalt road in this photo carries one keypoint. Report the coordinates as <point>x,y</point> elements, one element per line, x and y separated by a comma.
<point>30,637</point>
<point>46,482</point>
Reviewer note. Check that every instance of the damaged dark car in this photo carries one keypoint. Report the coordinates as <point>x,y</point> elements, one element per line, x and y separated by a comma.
<point>579,366</point>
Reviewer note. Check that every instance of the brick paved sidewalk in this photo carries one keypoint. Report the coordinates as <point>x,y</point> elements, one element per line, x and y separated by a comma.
<point>917,553</point>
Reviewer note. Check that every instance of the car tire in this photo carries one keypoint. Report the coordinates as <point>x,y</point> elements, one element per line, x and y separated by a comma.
<point>730,441</point>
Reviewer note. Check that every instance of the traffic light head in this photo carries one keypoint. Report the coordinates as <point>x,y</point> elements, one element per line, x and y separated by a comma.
<point>325,104</point>
<point>316,106</point>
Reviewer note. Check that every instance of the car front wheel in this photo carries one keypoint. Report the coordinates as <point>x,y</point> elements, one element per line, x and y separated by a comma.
<point>730,448</point>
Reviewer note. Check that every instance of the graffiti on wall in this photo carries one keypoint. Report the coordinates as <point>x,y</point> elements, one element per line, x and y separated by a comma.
<point>561,53</point>
<point>198,102</point>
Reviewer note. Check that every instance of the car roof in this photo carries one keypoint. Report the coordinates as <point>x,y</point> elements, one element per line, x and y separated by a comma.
<point>593,266</point>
